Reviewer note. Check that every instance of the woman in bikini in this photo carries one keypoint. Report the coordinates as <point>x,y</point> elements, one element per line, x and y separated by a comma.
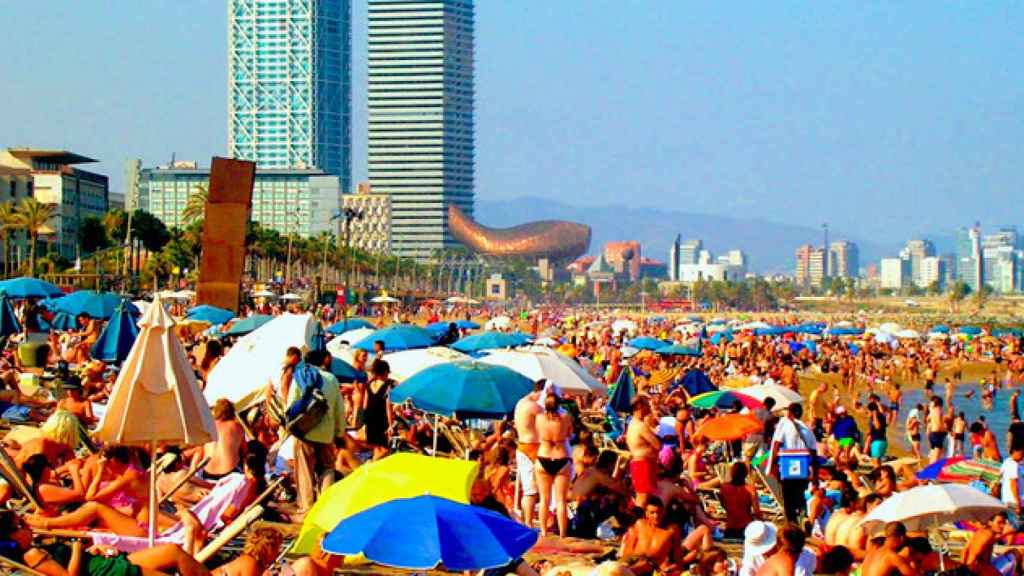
<point>43,483</point>
<point>555,465</point>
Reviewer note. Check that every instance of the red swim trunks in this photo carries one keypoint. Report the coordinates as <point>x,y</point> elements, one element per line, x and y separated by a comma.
<point>644,474</point>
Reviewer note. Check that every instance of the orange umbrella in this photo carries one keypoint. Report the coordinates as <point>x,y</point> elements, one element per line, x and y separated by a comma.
<point>729,427</point>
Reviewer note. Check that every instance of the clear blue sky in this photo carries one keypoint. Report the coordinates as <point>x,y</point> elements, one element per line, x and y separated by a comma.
<point>884,119</point>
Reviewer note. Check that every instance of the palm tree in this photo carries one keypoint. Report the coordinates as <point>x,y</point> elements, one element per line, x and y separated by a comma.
<point>8,223</point>
<point>32,215</point>
<point>196,206</point>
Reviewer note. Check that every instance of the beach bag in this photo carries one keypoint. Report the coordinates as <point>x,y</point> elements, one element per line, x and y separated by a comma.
<point>795,464</point>
<point>306,412</point>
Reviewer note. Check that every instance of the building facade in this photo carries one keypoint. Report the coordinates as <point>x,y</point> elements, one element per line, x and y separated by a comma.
<point>844,259</point>
<point>810,266</point>
<point>289,84</point>
<point>970,258</point>
<point>420,126</point>
<point>914,252</point>
<point>932,273</point>
<point>289,201</point>
<point>372,231</point>
<point>16,184</point>
<point>895,273</point>
<point>673,259</point>
<point>689,251</point>
<point>76,193</point>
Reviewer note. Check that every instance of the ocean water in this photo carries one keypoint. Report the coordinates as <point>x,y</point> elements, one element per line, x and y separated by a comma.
<point>997,418</point>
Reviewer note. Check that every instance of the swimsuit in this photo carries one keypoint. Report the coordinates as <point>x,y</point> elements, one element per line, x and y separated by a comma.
<point>553,466</point>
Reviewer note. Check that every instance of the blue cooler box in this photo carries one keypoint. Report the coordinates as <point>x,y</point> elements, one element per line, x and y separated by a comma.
<point>794,464</point>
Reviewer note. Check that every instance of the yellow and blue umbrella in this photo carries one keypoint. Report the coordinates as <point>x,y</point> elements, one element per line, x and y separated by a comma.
<point>428,532</point>
<point>464,389</point>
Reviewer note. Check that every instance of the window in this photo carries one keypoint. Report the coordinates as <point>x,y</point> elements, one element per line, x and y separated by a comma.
<point>29,188</point>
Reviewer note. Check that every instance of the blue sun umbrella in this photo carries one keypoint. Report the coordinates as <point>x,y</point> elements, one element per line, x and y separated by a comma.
<point>678,350</point>
<point>118,336</point>
<point>211,314</point>
<point>95,304</point>
<point>647,343</point>
<point>429,532</point>
<point>345,372</point>
<point>490,341</point>
<point>464,389</point>
<point>845,331</point>
<point>442,326</point>
<point>350,324</point>
<point>9,324</point>
<point>24,287</point>
<point>970,330</point>
<point>62,321</point>
<point>718,337</point>
<point>696,382</point>
<point>398,337</point>
<point>940,329</point>
<point>621,399</point>
<point>247,324</point>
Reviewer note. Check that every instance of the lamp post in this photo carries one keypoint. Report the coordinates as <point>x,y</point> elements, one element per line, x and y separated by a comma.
<point>346,216</point>
<point>288,262</point>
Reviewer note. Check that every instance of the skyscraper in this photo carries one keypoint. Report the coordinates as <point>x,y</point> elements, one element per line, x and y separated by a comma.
<point>914,252</point>
<point>689,251</point>
<point>844,259</point>
<point>810,266</point>
<point>970,258</point>
<point>289,84</point>
<point>420,100</point>
<point>673,259</point>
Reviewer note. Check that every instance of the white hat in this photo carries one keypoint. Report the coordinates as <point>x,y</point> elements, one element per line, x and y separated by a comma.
<point>759,537</point>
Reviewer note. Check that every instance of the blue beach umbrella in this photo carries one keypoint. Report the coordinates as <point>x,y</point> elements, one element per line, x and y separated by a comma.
<point>647,343</point>
<point>621,399</point>
<point>9,324</point>
<point>117,337</point>
<point>247,324</point>
<point>95,304</point>
<point>397,337</point>
<point>211,314</point>
<point>696,382</point>
<point>844,331</point>
<point>718,337</point>
<point>350,324</point>
<point>460,324</point>
<point>940,329</point>
<point>345,372</point>
<point>24,287</point>
<point>678,350</point>
<point>490,341</point>
<point>62,321</point>
<point>429,532</point>
<point>464,389</point>
<point>970,330</point>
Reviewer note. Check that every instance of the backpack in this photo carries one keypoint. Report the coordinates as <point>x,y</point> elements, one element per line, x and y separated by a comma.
<point>306,412</point>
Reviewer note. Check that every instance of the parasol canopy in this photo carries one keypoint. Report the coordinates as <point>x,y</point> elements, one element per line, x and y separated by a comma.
<point>647,343</point>
<point>211,314</point>
<point>725,399</point>
<point>397,337</point>
<point>350,324</point>
<point>728,427</point>
<point>25,287</point>
<point>465,389</point>
<point>118,336</point>
<point>783,396</point>
<point>537,363</point>
<point>490,341</point>
<point>9,324</point>
<point>95,304</point>
<point>244,326</point>
<point>925,507</point>
<point>405,363</point>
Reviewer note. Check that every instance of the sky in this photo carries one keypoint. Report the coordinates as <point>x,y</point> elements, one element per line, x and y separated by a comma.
<point>886,120</point>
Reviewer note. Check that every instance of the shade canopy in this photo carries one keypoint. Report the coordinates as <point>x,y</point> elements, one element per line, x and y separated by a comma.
<point>924,507</point>
<point>490,341</point>
<point>678,350</point>
<point>405,363</point>
<point>95,304</point>
<point>401,475</point>
<point>443,325</point>
<point>397,337</point>
<point>725,399</point>
<point>26,287</point>
<point>156,397</point>
<point>465,389</point>
<point>783,396</point>
<point>350,324</point>
<point>697,382</point>
<point>211,314</point>
<point>538,362</point>
<point>244,326</point>
<point>428,532</point>
<point>118,336</point>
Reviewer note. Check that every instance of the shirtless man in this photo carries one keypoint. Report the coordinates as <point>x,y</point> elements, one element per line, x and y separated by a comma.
<point>787,553</point>
<point>527,445</point>
<point>819,407</point>
<point>648,547</point>
<point>643,446</point>
<point>886,560</point>
<point>76,403</point>
<point>936,430</point>
<point>978,553</point>
<point>554,427</point>
<point>225,453</point>
<point>989,445</point>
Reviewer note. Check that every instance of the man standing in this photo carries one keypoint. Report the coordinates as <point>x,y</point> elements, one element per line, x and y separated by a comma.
<point>527,444</point>
<point>643,446</point>
<point>792,434</point>
<point>1012,488</point>
<point>314,454</point>
<point>819,407</point>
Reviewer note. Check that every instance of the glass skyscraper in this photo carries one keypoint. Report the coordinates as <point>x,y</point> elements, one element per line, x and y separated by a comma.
<point>420,102</point>
<point>289,84</point>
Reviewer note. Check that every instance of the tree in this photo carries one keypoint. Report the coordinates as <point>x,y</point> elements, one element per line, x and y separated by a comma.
<point>195,209</point>
<point>8,224</point>
<point>92,235</point>
<point>147,228</point>
<point>32,215</point>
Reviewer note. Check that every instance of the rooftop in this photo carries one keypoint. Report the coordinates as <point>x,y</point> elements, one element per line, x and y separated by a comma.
<point>62,157</point>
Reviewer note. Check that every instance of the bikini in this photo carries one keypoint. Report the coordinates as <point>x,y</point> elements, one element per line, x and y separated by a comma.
<point>553,466</point>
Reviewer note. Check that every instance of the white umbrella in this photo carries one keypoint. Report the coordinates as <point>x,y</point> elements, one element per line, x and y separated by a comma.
<point>890,327</point>
<point>536,362</point>
<point>623,325</point>
<point>342,351</point>
<point>263,294</point>
<point>925,507</point>
<point>255,360</point>
<point>291,296</point>
<point>383,300</point>
<point>783,396</point>
<point>352,336</point>
<point>185,294</point>
<point>498,323</point>
<point>143,306</point>
<point>457,300</point>
<point>937,336</point>
<point>405,363</point>
<point>843,324</point>
<point>156,398</point>
<point>755,325</point>
<point>908,334</point>
<point>547,341</point>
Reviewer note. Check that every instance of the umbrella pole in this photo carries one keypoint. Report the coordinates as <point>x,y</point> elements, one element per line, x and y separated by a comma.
<point>434,452</point>
<point>152,493</point>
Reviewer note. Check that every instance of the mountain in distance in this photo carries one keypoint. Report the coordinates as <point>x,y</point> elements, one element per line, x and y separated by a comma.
<point>770,246</point>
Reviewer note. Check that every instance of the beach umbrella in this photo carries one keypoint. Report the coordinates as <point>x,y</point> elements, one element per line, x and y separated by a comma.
<point>783,396</point>
<point>263,294</point>
<point>697,382</point>
<point>242,375</point>
<point>443,325</point>
<point>940,329</point>
<point>350,324</point>
<point>118,336</point>
<point>384,300</point>
<point>464,389</point>
<point>647,343</point>
<point>728,427</point>
<point>755,325</point>
<point>346,372</point>
<point>397,337</point>
<point>908,334</point>
<point>969,330</point>
<point>24,287</point>
<point>211,314</point>
<point>843,331</point>
<point>623,325</point>
<point>62,321</point>
<point>405,363</point>
<point>621,399</point>
<point>932,471</point>
<point>291,296</point>
<point>543,363</point>
<point>725,399</point>
<point>243,326</point>
<point>678,350</point>
<point>719,337</point>
<point>960,469</point>
<point>490,341</point>
<point>890,327</point>
<point>428,532</point>
<point>9,324</point>
<point>771,331</point>
<point>156,399</point>
<point>351,336</point>
<point>95,304</point>
<point>924,507</point>
<point>498,323</point>
<point>401,475</point>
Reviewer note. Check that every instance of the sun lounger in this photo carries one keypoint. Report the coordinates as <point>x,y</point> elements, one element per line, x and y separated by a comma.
<point>12,567</point>
<point>184,480</point>
<point>16,479</point>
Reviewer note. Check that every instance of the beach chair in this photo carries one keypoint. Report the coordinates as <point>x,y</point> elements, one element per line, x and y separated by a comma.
<point>769,494</point>
<point>8,566</point>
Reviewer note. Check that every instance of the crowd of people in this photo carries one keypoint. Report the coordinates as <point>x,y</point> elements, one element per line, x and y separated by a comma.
<point>641,481</point>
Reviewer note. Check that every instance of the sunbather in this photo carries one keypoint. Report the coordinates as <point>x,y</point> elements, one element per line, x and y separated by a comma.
<point>262,548</point>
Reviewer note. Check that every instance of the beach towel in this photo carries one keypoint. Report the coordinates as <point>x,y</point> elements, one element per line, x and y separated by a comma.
<point>228,491</point>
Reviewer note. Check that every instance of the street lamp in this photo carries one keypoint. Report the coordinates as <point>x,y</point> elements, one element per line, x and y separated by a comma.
<point>288,263</point>
<point>348,215</point>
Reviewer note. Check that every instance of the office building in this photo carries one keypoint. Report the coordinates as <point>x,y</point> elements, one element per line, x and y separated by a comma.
<point>844,259</point>
<point>372,231</point>
<point>970,258</point>
<point>302,202</point>
<point>56,180</point>
<point>420,126</point>
<point>895,273</point>
<point>289,85</point>
<point>689,251</point>
<point>810,266</point>
<point>914,252</point>
<point>16,184</point>
<point>737,259</point>
<point>708,272</point>
<point>932,273</point>
<point>673,259</point>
